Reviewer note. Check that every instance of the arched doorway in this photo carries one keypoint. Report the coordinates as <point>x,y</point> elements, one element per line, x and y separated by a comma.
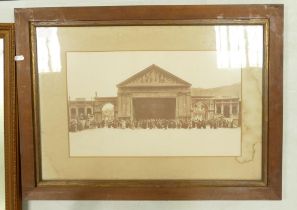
<point>108,112</point>
<point>200,111</point>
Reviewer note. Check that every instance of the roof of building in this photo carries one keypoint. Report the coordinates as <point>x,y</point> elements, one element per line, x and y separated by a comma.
<point>153,75</point>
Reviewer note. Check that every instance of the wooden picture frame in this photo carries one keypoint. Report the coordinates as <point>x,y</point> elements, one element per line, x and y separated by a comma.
<point>11,145</point>
<point>34,187</point>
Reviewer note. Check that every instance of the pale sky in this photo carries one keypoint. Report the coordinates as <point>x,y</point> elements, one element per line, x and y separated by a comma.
<point>90,72</point>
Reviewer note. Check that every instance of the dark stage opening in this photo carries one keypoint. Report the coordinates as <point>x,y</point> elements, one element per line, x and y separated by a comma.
<point>154,108</point>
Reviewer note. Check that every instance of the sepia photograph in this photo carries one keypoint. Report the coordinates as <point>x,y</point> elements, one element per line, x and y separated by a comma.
<point>152,103</point>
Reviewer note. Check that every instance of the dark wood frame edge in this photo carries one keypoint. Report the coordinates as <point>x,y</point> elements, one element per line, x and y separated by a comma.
<point>32,188</point>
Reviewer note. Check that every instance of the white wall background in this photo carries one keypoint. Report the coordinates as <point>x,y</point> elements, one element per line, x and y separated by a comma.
<point>289,201</point>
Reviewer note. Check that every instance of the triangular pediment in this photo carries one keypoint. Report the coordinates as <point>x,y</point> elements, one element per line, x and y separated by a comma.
<point>153,76</point>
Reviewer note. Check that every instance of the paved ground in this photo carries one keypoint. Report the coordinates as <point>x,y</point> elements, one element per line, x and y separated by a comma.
<point>156,142</point>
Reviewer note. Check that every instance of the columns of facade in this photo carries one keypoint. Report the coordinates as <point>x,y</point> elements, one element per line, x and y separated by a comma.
<point>124,105</point>
<point>131,108</point>
<point>206,109</point>
<point>97,111</point>
<point>176,107</point>
<point>115,110</point>
<point>188,105</point>
<point>183,105</point>
<point>222,108</point>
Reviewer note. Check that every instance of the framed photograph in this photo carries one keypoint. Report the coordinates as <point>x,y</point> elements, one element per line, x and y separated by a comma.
<point>9,153</point>
<point>150,102</point>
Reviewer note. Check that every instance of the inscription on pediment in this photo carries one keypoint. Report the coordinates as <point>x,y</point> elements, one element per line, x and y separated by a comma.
<point>153,77</point>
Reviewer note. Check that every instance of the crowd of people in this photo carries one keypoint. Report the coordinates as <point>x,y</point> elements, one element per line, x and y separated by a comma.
<point>77,125</point>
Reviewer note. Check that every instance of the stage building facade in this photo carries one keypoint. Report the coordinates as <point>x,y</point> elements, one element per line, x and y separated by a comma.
<point>155,93</point>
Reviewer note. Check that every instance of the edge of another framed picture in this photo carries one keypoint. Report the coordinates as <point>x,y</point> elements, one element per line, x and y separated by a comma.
<point>11,146</point>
